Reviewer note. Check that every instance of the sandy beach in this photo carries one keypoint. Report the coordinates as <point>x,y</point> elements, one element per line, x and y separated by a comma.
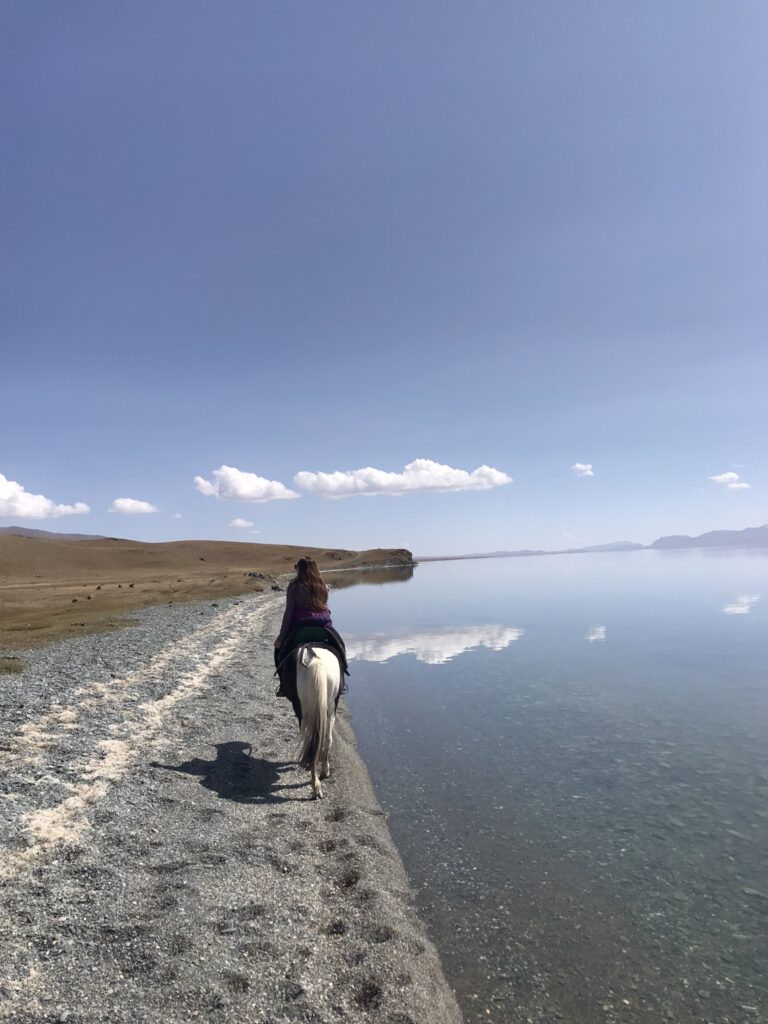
<point>165,861</point>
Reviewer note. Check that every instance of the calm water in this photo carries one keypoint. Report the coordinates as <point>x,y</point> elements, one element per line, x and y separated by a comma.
<point>573,753</point>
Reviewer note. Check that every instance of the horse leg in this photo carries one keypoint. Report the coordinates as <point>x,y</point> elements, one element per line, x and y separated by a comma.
<point>317,789</point>
<point>326,766</point>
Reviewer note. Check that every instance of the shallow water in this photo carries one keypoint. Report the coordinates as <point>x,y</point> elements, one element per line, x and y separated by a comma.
<point>572,751</point>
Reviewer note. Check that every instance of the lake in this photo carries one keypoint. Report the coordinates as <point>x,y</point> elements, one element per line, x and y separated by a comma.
<point>573,754</point>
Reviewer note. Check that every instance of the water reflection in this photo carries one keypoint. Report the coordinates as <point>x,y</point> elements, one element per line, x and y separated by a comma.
<point>596,633</point>
<point>338,579</point>
<point>742,605</point>
<point>435,647</point>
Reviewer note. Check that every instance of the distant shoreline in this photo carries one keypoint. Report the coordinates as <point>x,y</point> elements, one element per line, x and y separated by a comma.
<point>751,538</point>
<point>551,554</point>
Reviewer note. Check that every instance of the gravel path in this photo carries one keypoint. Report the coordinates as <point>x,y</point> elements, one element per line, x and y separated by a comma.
<point>163,860</point>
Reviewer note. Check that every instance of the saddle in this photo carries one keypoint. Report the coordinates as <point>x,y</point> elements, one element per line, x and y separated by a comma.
<point>286,659</point>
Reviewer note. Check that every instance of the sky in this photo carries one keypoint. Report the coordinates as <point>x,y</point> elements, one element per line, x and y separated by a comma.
<point>446,276</point>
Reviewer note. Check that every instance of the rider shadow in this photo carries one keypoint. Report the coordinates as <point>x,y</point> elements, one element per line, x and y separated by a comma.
<point>235,775</point>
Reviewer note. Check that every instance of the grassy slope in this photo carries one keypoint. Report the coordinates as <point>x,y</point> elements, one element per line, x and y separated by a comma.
<point>51,588</point>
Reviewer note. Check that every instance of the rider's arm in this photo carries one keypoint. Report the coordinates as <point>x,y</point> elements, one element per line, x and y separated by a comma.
<point>290,604</point>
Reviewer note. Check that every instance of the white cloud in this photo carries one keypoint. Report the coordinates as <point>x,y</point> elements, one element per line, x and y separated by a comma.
<point>242,524</point>
<point>233,484</point>
<point>435,648</point>
<point>731,480</point>
<point>725,478</point>
<point>17,503</point>
<point>419,475</point>
<point>583,469</point>
<point>742,605</point>
<point>132,507</point>
<point>597,633</point>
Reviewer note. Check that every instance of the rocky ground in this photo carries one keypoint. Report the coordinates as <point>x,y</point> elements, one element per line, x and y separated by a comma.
<point>163,860</point>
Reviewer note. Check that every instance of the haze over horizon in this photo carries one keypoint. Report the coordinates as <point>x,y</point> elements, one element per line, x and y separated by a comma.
<point>436,276</point>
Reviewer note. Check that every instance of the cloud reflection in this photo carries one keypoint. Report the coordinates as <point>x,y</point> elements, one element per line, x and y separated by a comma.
<point>742,605</point>
<point>596,633</point>
<point>434,648</point>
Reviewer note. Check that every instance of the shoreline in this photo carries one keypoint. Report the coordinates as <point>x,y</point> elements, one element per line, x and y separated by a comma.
<point>166,862</point>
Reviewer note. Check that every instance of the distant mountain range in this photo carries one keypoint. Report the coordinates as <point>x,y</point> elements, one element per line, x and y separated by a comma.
<point>617,545</point>
<point>751,537</point>
<point>26,531</point>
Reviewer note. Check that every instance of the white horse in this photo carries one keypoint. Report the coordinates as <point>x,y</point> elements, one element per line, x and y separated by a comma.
<point>318,678</point>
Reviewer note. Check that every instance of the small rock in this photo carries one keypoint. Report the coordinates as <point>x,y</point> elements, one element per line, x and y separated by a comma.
<point>756,893</point>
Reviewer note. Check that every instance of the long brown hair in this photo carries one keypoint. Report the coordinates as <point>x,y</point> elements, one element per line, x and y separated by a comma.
<point>315,590</point>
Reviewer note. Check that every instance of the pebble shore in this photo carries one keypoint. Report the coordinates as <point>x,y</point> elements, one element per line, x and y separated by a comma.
<point>163,859</point>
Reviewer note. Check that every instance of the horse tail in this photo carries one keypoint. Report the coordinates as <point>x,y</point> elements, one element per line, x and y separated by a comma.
<point>313,695</point>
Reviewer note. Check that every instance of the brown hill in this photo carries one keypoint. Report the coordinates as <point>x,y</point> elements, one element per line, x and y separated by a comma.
<point>51,587</point>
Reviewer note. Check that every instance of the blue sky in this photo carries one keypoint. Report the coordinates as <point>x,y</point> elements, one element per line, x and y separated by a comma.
<point>317,238</point>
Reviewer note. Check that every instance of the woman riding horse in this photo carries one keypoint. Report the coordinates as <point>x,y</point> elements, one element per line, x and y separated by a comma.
<point>311,662</point>
<point>306,611</point>
<point>306,601</point>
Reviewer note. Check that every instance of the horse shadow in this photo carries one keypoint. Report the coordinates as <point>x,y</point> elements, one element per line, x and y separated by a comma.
<point>235,775</point>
